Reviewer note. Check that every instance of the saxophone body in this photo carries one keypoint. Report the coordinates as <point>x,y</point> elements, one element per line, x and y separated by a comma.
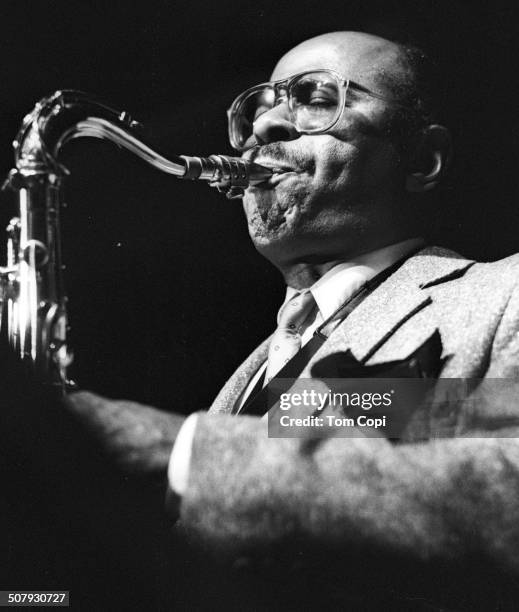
<point>33,299</point>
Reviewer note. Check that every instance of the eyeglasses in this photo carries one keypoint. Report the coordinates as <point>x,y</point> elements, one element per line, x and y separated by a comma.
<point>315,99</point>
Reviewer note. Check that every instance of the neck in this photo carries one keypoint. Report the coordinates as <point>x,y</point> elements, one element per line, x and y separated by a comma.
<point>302,275</point>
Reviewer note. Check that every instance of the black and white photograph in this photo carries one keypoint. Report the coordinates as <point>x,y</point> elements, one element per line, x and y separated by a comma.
<point>259,305</point>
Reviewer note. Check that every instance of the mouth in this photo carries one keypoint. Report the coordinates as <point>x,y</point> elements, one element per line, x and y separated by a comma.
<point>279,170</point>
<point>276,166</point>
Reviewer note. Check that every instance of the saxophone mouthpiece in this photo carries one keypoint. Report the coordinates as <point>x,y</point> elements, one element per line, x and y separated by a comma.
<point>230,175</point>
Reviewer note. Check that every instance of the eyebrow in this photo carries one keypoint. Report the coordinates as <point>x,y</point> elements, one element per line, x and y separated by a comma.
<point>360,87</point>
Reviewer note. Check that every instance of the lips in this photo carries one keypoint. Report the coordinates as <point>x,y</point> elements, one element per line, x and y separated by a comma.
<point>282,170</point>
<point>276,166</point>
<point>282,158</point>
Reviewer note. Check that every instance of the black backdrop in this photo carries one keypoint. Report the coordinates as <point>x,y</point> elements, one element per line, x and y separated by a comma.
<point>160,273</point>
<point>167,295</point>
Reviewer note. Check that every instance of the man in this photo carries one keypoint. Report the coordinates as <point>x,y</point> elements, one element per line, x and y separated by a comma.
<point>354,151</point>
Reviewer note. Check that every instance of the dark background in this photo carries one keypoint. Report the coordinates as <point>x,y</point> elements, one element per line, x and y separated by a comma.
<point>161,318</point>
<point>167,296</point>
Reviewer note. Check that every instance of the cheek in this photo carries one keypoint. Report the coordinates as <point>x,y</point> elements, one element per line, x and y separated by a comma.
<point>365,165</point>
<point>334,156</point>
<point>336,168</point>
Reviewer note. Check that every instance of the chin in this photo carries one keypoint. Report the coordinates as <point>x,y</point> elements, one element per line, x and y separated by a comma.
<point>282,243</point>
<point>266,231</point>
<point>269,211</point>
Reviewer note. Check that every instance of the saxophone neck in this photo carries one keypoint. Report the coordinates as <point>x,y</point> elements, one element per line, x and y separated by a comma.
<point>68,114</point>
<point>55,120</point>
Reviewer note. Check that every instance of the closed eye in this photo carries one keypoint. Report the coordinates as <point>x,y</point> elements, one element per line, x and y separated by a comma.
<point>321,101</point>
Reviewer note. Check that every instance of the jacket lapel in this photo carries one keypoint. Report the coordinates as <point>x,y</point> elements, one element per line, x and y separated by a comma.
<point>370,332</point>
<point>236,385</point>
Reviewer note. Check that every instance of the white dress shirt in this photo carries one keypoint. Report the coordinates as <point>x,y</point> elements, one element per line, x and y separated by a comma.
<point>329,292</point>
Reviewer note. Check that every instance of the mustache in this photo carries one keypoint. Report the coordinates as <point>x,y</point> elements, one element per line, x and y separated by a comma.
<point>278,152</point>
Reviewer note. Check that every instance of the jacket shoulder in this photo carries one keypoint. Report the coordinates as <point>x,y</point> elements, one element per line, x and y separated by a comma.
<point>502,273</point>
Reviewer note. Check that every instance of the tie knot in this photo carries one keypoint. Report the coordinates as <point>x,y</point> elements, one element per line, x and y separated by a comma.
<point>296,310</point>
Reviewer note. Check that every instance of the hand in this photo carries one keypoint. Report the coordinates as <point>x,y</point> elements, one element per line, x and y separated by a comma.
<point>138,439</point>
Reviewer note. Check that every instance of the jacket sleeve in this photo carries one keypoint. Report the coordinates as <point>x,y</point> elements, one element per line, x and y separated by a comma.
<point>440,499</point>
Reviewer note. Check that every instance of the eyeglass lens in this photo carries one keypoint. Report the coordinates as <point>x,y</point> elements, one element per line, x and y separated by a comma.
<point>313,100</point>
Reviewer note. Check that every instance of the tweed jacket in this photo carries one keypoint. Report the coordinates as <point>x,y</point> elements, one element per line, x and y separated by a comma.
<point>414,499</point>
<point>463,299</point>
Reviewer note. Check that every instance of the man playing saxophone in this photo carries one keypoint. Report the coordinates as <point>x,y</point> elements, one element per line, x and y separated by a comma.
<point>348,125</point>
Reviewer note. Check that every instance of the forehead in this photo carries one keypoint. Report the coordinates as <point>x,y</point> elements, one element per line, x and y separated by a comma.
<point>369,60</point>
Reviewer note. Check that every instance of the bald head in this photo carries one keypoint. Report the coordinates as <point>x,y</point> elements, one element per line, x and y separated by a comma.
<point>401,72</point>
<point>372,61</point>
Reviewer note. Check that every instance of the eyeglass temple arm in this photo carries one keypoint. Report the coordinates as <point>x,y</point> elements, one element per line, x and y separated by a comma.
<point>373,94</point>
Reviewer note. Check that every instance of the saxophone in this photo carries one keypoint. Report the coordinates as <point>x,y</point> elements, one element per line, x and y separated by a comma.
<point>33,302</point>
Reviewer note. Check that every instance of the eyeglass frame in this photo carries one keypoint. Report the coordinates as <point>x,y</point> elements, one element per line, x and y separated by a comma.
<point>344,85</point>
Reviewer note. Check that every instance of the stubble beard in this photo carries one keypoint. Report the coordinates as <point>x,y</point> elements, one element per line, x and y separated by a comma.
<point>285,223</point>
<point>273,215</point>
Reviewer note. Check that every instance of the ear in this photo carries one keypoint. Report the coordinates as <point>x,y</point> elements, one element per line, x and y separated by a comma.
<point>430,159</point>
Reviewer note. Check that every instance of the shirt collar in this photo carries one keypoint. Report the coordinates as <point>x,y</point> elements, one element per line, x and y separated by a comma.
<point>341,281</point>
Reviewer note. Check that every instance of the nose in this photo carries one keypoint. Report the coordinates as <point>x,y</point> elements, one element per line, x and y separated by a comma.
<point>274,126</point>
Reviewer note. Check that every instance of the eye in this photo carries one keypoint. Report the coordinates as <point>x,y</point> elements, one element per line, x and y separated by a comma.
<point>321,100</point>
<point>315,93</point>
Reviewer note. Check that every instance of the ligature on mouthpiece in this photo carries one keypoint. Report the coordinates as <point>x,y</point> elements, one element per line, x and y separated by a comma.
<point>230,175</point>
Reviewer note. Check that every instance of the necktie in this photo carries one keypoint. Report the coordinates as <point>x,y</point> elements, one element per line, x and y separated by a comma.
<point>286,340</point>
